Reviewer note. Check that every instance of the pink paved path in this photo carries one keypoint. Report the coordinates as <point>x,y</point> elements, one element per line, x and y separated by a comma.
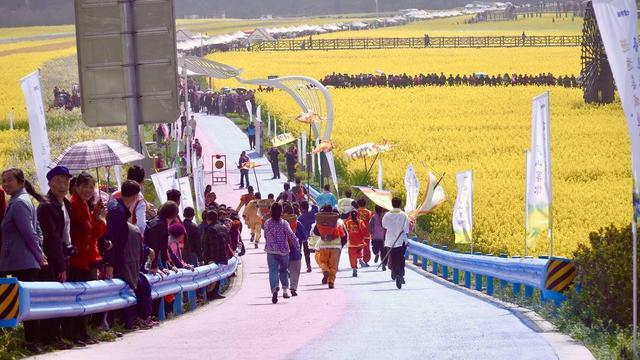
<point>246,325</point>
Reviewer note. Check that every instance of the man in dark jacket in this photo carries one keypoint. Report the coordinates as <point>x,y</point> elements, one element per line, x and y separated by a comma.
<point>215,240</point>
<point>126,240</point>
<point>117,230</point>
<point>192,243</point>
<point>54,220</point>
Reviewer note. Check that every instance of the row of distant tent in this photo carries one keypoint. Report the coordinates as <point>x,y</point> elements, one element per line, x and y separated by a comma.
<point>187,41</point>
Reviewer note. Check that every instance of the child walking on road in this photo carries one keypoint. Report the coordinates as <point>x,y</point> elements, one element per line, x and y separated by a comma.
<point>357,233</point>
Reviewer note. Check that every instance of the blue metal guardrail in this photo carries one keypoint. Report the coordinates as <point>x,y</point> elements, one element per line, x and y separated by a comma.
<point>20,301</point>
<point>551,277</point>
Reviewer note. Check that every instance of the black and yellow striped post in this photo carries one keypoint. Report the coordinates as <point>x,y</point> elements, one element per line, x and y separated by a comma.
<point>559,277</point>
<point>9,302</point>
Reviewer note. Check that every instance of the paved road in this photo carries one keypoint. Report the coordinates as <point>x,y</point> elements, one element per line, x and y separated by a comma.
<point>362,318</point>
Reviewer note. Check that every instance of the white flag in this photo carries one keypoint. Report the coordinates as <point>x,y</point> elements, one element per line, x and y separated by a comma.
<point>249,109</point>
<point>618,24</point>
<point>304,148</point>
<point>412,186</point>
<point>268,125</point>
<point>433,198</point>
<point>332,169</point>
<point>162,182</point>
<point>37,127</point>
<point>186,197</point>
<point>198,183</point>
<point>539,174</point>
<point>380,174</point>
<point>117,169</point>
<point>463,208</point>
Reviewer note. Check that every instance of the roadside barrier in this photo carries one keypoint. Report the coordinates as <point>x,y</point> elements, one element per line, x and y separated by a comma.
<point>20,301</point>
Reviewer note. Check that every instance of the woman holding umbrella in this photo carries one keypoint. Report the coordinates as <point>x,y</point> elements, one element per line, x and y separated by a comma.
<point>86,228</point>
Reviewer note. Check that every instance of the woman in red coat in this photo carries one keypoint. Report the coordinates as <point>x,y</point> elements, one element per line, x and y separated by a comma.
<point>86,228</point>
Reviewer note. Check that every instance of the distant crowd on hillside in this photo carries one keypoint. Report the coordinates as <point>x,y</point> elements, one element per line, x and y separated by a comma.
<point>476,79</point>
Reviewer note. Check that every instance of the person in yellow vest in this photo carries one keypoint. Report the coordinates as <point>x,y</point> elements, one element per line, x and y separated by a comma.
<point>332,239</point>
<point>252,218</point>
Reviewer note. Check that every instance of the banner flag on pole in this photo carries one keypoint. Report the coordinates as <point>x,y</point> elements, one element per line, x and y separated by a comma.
<point>379,173</point>
<point>37,127</point>
<point>332,168</point>
<point>412,187</point>
<point>198,183</point>
<point>618,24</point>
<point>117,169</point>
<point>268,125</point>
<point>162,182</point>
<point>304,148</point>
<point>275,127</point>
<point>249,109</point>
<point>434,197</point>
<point>539,173</point>
<point>186,198</point>
<point>463,208</point>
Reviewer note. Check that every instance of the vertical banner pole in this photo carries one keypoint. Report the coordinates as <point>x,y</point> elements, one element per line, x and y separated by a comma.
<point>129,47</point>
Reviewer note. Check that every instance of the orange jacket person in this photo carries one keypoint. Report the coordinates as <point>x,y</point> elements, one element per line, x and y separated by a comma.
<point>357,233</point>
<point>365,215</point>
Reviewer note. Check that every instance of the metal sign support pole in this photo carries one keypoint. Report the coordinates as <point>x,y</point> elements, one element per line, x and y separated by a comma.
<point>129,47</point>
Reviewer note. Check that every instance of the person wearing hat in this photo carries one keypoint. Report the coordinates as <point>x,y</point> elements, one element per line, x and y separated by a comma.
<point>55,223</point>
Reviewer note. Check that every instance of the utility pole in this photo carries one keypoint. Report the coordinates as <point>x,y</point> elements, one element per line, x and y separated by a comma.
<point>377,9</point>
<point>129,47</point>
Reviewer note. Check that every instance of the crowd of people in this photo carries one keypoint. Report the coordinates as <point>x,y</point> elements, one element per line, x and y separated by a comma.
<point>64,99</point>
<point>477,79</point>
<point>217,102</point>
<point>293,224</point>
<point>78,233</point>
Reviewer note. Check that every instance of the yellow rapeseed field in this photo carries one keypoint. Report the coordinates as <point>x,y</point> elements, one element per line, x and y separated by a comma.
<point>487,130</point>
<point>16,64</point>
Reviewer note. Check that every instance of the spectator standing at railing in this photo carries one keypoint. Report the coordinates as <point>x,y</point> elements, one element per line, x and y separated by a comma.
<point>138,209</point>
<point>215,240</point>
<point>87,226</point>
<point>192,242</point>
<point>279,238</point>
<point>396,222</point>
<point>126,241</point>
<point>55,222</point>
<point>156,235</point>
<point>21,254</point>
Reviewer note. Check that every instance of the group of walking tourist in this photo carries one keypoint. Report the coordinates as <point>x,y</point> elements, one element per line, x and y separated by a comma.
<point>294,224</point>
<point>477,79</point>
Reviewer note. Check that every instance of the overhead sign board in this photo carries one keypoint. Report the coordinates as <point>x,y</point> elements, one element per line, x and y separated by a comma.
<point>104,64</point>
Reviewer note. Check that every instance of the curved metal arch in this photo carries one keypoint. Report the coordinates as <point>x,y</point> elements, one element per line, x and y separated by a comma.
<point>304,90</point>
